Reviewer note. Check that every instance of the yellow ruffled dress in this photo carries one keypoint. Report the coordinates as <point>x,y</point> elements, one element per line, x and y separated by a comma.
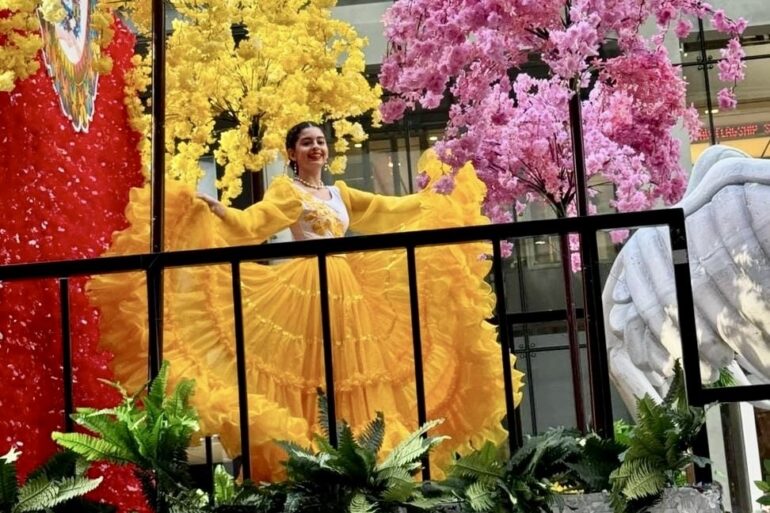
<point>370,318</point>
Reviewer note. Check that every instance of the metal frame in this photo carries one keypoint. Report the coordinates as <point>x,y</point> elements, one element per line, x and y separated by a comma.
<point>153,264</point>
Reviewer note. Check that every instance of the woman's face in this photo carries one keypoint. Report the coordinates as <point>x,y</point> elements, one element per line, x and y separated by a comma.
<point>310,152</point>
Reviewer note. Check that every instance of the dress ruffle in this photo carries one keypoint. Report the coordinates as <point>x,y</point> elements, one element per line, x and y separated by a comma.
<point>371,330</point>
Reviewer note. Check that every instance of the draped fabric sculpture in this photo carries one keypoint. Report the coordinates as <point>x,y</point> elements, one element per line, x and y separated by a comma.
<point>728,238</point>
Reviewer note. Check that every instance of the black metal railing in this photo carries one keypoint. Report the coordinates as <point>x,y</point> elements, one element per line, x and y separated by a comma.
<point>153,264</point>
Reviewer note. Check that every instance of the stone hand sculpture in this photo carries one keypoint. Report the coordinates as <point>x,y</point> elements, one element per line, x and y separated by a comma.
<point>727,209</point>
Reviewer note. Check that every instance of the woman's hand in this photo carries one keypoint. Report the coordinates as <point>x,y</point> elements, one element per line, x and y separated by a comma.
<point>214,205</point>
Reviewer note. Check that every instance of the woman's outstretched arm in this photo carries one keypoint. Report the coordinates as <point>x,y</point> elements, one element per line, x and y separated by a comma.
<point>280,208</point>
<point>373,213</point>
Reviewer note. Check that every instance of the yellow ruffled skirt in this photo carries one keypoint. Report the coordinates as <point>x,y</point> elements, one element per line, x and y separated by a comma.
<point>370,322</point>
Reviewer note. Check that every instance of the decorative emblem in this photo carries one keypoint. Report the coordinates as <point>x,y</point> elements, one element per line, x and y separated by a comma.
<point>70,49</point>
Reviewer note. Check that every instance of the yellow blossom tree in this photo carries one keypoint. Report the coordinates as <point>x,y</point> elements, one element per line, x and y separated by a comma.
<point>238,95</point>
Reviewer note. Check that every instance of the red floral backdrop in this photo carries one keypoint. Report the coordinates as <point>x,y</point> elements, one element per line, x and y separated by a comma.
<point>62,194</point>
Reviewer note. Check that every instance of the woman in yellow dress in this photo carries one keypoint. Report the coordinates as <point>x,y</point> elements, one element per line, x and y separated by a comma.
<point>369,308</point>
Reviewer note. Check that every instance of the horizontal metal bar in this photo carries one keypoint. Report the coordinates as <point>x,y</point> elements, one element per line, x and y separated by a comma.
<point>546,349</point>
<point>541,316</point>
<point>69,268</point>
<point>729,394</point>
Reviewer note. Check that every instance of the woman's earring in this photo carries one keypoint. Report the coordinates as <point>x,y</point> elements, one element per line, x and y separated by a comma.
<point>326,168</point>
<point>294,167</point>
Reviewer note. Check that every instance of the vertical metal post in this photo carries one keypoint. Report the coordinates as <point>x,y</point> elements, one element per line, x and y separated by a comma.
<point>158,168</point>
<point>154,278</point>
<point>572,335</point>
<point>704,58</point>
<point>326,329</point>
<point>422,413</point>
<point>527,353</point>
<point>396,169</point>
<point>686,312</point>
<point>157,177</point>
<point>366,164</point>
<point>209,466</point>
<point>596,335</point>
<point>66,349</point>
<point>408,149</point>
<point>687,329</point>
<point>601,408</point>
<point>240,364</point>
<point>514,437</point>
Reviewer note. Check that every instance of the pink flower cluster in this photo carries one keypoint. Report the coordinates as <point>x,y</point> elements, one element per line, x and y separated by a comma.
<point>515,128</point>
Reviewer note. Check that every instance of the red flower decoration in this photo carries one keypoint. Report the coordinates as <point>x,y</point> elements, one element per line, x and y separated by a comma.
<point>62,195</point>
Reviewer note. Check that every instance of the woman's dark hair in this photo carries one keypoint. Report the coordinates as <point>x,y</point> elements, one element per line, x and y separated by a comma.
<point>292,136</point>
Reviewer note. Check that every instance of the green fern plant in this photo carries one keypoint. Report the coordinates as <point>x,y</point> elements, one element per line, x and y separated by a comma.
<point>229,496</point>
<point>57,486</point>
<point>487,481</point>
<point>590,468</point>
<point>660,447</point>
<point>348,478</point>
<point>150,430</point>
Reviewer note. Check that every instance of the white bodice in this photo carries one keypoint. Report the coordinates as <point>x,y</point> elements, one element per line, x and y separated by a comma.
<point>321,219</point>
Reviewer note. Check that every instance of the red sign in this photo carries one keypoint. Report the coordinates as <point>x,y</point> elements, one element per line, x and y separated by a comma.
<point>743,131</point>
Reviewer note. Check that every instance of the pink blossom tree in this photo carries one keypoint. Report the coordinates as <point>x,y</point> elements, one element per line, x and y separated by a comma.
<point>515,128</point>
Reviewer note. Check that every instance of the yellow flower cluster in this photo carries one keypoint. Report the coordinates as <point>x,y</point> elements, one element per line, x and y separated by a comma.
<point>137,79</point>
<point>19,41</point>
<point>20,36</point>
<point>237,95</point>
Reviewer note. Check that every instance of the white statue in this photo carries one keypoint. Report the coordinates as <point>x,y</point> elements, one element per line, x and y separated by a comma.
<point>727,209</point>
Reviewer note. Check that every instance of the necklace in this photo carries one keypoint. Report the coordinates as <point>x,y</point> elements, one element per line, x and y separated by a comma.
<point>308,184</point>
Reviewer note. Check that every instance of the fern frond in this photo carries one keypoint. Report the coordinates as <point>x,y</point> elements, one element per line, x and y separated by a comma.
<point>302,464</point>
<point>92,448</point>
<point>155,398</point>
<point>322,444</point>
<point>323,412</point>
<point>676,397</point>
<point>71,487</point>
<point>104,424</point>
<point>9,487</point>
<point>481,465</point>
<point>35,495</point>
<point>351,459</point>
<point>178,404</point>
<point>413,447</point>
<point>224,486</point>
<point>373,434</point>
<point>61,464</point>
<point>359,504</point>
<point>41,494</point>
<point>432,503</point>
<point>399,483</point>
<point>650,431</point>
<point>480,497</point>
<point>642,478</point>
<point>596,461</point>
